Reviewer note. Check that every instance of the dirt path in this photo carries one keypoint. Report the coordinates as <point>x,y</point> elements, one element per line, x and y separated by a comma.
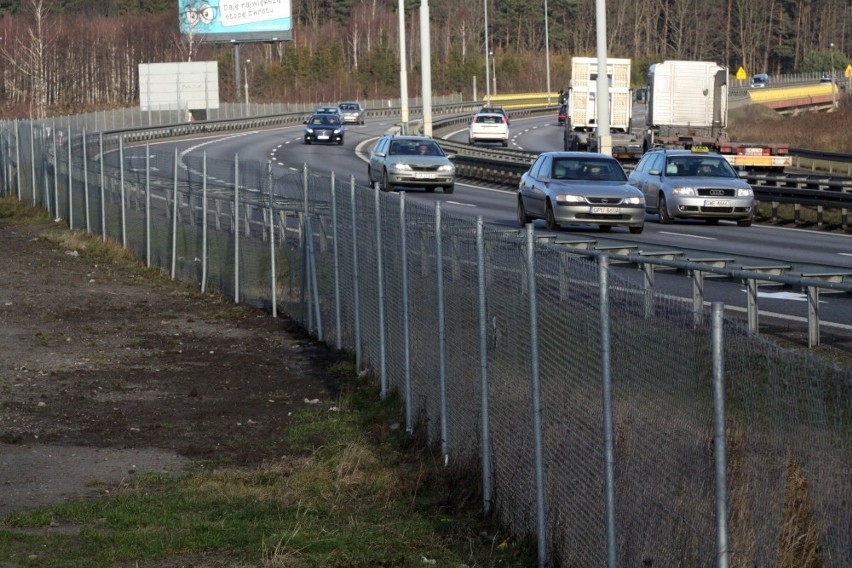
<point>105,374</point>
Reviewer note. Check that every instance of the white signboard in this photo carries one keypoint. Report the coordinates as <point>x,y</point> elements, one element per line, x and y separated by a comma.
<point>179,86</point>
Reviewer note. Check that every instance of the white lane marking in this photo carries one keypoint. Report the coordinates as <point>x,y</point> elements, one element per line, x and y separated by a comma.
<point>780,295</point>
<point>460,203</point>
<point>845,254</point>
<point>688,235</point>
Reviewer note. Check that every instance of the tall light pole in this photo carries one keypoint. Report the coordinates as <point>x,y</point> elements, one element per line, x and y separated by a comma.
<point>547,51</point>
<point>245,72</point>
<point>403,72</point>
<point>487,55</point>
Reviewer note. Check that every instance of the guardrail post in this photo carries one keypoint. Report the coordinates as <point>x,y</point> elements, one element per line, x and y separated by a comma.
<point>813,316</point>
<point>752,290</point>
<point>697,297</point>
<point>648,271</point>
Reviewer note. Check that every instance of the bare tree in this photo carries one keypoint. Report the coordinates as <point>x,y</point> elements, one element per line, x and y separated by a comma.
<point>29,54</point>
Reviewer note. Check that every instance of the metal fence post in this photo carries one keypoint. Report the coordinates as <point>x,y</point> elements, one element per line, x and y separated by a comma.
<point>485,433</point>
<point>147,206</point>
<point>442,335</point>
<point>70,184</point>
<point>356,291</point>
<point>406,339</point>
<point>121,169</point>
<point>719,448</point>
<point>204,222</point>
<point>32,158</point>
<point>541,529</point>
<point>273,294</point>
<point>174,214</point>
<point>608,433</point>
<point>380,282</point>
<point>103,183</point>
<point>236,228</point>
<point>86,183</point>
<point>55,208</point>
<point>338,339</point>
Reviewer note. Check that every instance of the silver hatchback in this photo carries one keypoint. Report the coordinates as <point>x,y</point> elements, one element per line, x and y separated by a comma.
<point>697,184</point>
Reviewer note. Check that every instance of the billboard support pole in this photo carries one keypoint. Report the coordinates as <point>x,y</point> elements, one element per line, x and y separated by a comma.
<point>237,80</point>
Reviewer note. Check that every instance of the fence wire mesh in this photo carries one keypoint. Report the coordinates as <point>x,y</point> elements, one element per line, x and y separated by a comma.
<point>398,283</point>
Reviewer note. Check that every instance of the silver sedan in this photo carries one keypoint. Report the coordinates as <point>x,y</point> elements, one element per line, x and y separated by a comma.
<point>579,188</point>
<point>696,184</point>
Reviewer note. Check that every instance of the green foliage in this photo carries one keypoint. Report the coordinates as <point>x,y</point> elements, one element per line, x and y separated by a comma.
<point>821,61</point>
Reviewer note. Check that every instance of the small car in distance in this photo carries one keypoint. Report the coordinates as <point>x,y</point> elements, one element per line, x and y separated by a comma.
<point>488,127</point>
<point>579,188</point>
<point>352,112</point>
<point>693,184</point>
<point>326,128</point>
<point>411,161</point>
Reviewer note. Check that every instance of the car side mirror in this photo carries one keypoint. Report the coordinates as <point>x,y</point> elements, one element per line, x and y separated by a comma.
<point>452,157</point>
<point>654,172</point>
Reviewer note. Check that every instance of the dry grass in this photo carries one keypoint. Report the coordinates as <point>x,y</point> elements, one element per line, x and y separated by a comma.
<point>827,131</point>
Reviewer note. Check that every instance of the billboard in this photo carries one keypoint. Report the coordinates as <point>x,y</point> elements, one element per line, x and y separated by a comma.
<point>236,20</point>
<point>178,86</point>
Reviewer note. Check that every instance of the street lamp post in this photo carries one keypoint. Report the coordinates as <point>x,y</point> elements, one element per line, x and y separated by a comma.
<point>833,86</point>
<point>245,72</point>
<point>494,72</point>
<point>547,51</point>
<point>487,55</point>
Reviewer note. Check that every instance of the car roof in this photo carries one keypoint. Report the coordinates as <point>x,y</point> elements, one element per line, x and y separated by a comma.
<point>682,152</point>
<point>581,155</point>
<point>410,137</point>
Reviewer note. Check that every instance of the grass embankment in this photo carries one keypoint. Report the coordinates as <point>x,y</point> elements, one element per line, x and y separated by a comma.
<point>355,490</point>
<point>825,131</point>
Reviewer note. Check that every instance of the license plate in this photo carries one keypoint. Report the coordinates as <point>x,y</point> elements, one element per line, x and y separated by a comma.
<point>424,176</point>
<point>717,203</point>
<point>322,136</point>
<point>606,210</point>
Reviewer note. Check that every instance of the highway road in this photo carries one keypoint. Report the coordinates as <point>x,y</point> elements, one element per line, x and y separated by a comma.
<point>759,245</point>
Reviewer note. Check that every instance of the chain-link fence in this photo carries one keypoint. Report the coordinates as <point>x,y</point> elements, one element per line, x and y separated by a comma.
<point>507,352</point>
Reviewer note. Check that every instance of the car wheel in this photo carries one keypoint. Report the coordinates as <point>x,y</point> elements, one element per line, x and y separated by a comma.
<point>523,218</point>
<point>307,141</point>
<point>744,222</point>
<point>505,143</point>
<point>430,189</point>
<point>712,221</point>
<point>605,228</point>
<point>550,217</point>
<point>663,209</point>
<point>386,186</point>
<point>449,188</point>
<point>636,230</point>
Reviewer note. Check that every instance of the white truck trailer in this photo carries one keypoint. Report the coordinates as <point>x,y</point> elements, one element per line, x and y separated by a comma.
<point>581,127</point>
<point>688,106</point>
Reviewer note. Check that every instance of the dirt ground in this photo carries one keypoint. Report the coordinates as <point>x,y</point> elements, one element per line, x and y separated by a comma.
<point>105,374</point>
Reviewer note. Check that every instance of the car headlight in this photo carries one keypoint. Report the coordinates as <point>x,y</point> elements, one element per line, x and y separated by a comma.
<point>447,168</point>
<point>309,130</point>
<point>400,167</point>
<point>567,199</point>
<point>684,190</point>
<point>338,130</point>
<point>745,192</point>
<point>635,200</point>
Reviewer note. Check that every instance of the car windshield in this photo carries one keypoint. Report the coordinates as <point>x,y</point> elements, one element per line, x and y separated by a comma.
<point>586,169</point>
<point>489,119</point>
<point>701,166</point>
<point>414,148</point>
<point>325,120</point>
<point>349,107</point>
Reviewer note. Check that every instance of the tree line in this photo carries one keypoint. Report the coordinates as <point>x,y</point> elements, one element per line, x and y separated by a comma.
<point>66,56</point>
